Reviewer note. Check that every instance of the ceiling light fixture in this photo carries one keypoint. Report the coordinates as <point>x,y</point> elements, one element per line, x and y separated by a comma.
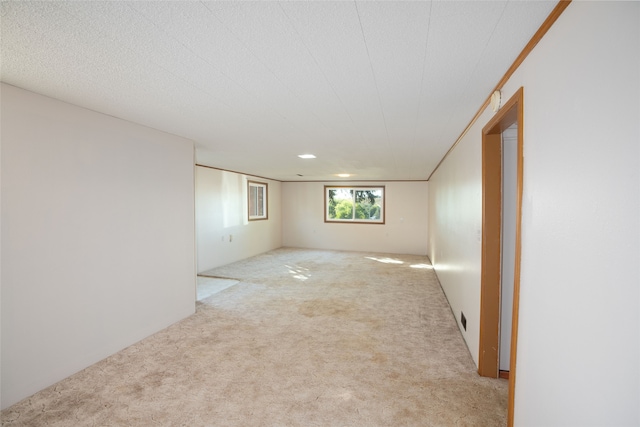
<point>306,156</point>
<point>344,175</point>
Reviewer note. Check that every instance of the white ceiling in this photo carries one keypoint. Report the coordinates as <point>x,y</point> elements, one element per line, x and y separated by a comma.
<point>380,90</point>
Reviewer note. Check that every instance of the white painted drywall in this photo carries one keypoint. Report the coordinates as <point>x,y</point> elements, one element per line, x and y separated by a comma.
<point>404,231</point>
<point>455,231</point>
<point>580,281</point>
<point>223,232</point>
<point>98,246</point>
<point>579,328</point>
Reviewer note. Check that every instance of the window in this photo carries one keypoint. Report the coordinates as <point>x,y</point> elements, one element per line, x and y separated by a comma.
<point>354,204</point>
<point>257,192</point>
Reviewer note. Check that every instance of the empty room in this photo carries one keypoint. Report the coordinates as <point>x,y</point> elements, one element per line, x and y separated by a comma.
<point>320,213</point>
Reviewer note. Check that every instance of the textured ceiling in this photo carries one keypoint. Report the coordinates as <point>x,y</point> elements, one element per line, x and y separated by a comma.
<point>380,90</point>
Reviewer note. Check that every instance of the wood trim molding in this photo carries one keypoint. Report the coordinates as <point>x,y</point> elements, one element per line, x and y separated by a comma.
<point>551,19</point>
<point>491,255</point>
<point>512,112</point>
<point>546,25</point>
<point>516,274</point>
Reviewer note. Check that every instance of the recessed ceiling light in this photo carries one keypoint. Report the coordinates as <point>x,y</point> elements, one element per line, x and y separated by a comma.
<point>306,156</point>
<point>344,175</point>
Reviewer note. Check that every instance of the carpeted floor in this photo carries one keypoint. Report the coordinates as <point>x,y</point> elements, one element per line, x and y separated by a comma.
<point>305,338</point>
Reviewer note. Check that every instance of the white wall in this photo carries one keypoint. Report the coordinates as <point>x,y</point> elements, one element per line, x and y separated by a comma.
<point>578,340</point>
<point>98,245</point>
<point>455,231</point>
<point>224,234</point>
<point>404,231</point>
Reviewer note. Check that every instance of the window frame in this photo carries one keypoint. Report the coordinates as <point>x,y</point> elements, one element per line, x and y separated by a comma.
<point>261,186</point>
<point>380,221</point>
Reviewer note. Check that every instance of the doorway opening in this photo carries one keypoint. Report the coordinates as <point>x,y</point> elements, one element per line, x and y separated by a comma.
<point>492,242</point>
<point>210,285</point>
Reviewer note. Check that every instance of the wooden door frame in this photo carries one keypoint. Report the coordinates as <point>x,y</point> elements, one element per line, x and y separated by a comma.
<point>488,358</point>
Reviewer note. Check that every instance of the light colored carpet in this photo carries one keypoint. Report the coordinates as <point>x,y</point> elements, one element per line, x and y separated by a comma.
<point>306,338</point>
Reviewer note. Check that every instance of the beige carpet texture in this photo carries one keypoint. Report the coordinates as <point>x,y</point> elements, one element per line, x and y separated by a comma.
<point>301,338</point>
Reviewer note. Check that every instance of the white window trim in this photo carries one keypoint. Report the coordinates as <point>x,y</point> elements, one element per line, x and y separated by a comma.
<point>264,208</point>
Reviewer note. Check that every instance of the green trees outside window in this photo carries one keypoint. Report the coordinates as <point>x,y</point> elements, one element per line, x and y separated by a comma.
<point>354,204</point>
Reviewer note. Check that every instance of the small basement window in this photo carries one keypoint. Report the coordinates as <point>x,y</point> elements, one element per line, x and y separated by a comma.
<point>258,193</point>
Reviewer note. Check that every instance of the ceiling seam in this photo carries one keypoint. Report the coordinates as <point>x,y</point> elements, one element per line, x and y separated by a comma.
<point>487,43</point>
<point>424,67</point>
<point>212,13</point>
<point>246,47</point>
<point>539,34</point>
<point>244,89</point>
<point>375,82</point>
<point>195,54</point>
<point>475,67</point>
<point>333,89</point>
